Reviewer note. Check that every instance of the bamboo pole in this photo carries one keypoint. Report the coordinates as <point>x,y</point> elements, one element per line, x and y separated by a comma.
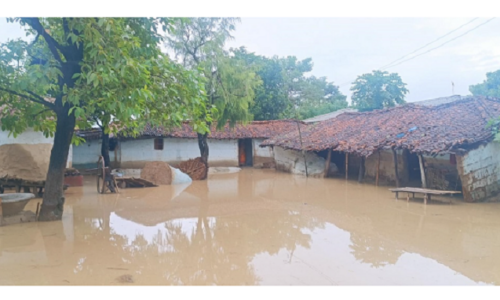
<point>346,166</point>
<point>361,169</point>
<point>395,155</point>
<point>378,168</point>
<point>327,163</point>
<point>302,147</point>
<point>422,171</point>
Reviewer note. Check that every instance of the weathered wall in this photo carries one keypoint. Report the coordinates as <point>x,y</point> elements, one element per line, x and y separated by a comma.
<point>31,137</point>
<point>441,174</point>
<point>292,161</point>
<point>261,156</point>
<point>387,173</point>
<point>479,171</point>
<point>134,154</point>
<point>85,155</point>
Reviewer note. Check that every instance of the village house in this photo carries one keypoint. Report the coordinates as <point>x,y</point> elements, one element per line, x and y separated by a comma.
<point>228,147</point>
<point>450,142</point>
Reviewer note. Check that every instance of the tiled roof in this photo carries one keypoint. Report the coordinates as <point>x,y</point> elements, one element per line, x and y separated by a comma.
<point>256,129</point>
<point>428,129</point>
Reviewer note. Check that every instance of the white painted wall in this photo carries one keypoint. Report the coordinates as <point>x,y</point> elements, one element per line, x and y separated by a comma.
<point>261,152</point>
<point>86,154</point>
<point>293,161</point>
<point>479,170</point>
<point>27,137</point>
<point>135,153</point>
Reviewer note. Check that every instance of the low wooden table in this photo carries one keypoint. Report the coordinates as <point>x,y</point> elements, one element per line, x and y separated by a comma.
<point>427,192</point>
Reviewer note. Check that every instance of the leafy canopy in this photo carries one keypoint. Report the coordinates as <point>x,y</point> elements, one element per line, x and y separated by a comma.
<point>95,68</point>
<point>489,87</point>
<point>230,86</point>
<point>285,91</point>
<point>378,90</point>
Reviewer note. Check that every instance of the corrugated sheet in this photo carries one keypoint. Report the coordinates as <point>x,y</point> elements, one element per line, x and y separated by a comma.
<point>428,129</point>
<point>329,115</point>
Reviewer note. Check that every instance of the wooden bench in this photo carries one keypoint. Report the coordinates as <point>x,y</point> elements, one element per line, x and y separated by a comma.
<point>427,192</point>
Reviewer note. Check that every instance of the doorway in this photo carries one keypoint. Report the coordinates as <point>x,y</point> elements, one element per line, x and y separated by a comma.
<point>245,152</point>
<point>414,176</point>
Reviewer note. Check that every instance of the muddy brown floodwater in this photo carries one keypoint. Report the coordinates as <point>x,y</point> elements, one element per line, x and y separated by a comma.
<point>254,227</point>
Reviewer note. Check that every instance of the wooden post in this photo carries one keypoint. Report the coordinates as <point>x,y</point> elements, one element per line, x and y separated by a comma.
<point>395,155</point>
<point>1,212</point>
<point>346,166</point>
<point>422,171</point>
<point>361,169</point>
<point>378,168</point>
<point>302,147</point>
<point>327,163</point>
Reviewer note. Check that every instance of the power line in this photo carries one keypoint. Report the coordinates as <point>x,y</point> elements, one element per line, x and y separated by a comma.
<point>449,41</point>
<point>447,34</point>
<point>432,49</point>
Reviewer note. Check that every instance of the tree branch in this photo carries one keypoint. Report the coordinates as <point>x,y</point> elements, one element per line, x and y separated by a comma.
<point>65,27</point>
<point>36,96</point>
<point>41,112</point>
<point>54,46</point>
<point>36,100</point>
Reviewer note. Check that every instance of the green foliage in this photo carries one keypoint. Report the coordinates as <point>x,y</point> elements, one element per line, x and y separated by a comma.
<point>271,98</point>
<point>286,92</point>
<point>230,86</point>
<point>116,72</point>
<point>233,91</point>
<point>489,87</point>
<point>377,90</point>
<point>319,97</point>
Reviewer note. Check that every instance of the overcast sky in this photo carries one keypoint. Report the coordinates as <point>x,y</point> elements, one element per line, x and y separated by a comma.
<point>343,48</point>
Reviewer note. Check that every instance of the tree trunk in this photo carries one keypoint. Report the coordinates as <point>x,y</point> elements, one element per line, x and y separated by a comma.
<point>203,145</point>
<point>53,197</point>
<point>105,148</point>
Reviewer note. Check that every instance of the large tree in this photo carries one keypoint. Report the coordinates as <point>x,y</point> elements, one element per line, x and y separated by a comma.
<point>489,87</point>
<point>199,44</point>
<point>377,90</point>
<point>286,92</point>
<point>75,68</point>
<point>318,97</point>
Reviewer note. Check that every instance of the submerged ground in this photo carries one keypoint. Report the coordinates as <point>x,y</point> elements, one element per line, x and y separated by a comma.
<point>254,227</point>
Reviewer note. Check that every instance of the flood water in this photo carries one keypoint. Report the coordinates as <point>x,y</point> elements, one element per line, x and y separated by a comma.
<point>255,227</point>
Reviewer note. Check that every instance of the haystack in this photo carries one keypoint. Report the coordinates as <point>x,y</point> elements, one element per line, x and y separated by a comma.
<point>25,161</point>
<point>158,172</point>
<point>195,168</point>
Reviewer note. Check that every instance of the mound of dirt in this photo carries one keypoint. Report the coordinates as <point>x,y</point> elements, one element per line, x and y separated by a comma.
<point>158,172</point>
<point>195,168</point>
<point>25,161</point>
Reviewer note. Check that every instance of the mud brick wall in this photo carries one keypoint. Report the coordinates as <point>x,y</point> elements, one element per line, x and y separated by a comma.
<point>479,172</point>
<point>442,173</point>
<point>387,174</point>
